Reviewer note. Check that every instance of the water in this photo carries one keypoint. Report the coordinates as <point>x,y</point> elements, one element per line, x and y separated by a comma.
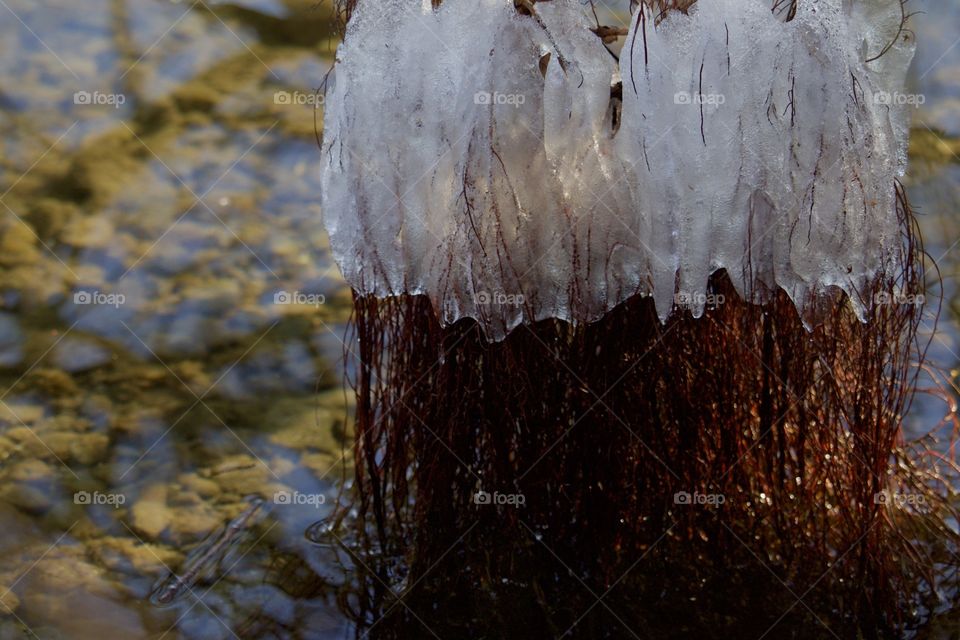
<point>170,318</point>
<point>168,314</point>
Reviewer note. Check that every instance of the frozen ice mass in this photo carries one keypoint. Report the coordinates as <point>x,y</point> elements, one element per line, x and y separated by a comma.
<point>509,167</point>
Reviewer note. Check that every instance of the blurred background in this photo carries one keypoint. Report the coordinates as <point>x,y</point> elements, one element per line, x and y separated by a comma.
<point>172,325</point>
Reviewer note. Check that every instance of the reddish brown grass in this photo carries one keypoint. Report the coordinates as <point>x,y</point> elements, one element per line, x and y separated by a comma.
<point>599,426</point>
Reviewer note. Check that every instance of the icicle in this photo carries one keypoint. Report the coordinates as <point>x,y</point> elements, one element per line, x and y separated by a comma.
<point>476,155</point>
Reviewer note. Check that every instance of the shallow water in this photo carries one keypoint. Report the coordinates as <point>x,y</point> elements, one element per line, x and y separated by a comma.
<point>171,321</point>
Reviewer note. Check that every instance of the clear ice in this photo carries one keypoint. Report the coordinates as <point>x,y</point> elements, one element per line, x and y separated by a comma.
<point>479,156</point>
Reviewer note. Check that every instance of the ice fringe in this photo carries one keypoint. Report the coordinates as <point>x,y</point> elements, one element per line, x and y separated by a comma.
<point>507,167</point>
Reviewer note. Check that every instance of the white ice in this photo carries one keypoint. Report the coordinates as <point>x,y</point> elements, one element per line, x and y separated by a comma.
<point>455,167</point>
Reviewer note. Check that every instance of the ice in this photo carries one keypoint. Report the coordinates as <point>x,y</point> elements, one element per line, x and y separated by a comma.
<point>479,156</point>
